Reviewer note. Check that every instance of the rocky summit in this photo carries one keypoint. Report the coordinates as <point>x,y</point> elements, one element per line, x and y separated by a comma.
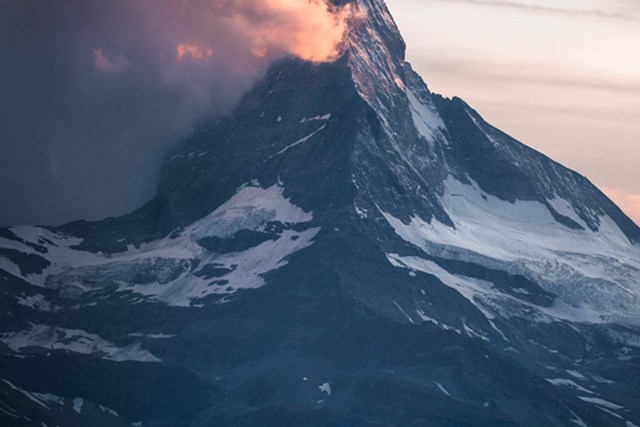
<point>346,248</point>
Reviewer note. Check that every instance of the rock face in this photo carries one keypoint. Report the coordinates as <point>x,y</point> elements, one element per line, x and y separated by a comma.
<point>345,249</point>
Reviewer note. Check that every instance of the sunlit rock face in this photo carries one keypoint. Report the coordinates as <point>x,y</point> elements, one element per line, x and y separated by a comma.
<point>346,248</point>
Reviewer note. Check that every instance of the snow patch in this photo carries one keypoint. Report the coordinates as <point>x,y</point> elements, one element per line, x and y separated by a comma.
<point>245,271</point>
<point>108,411</point>
<point>249,209</point>
<point>426,318</point>
<point>505,231</point>
<point>325,388</point>
<point>425,117</point>
<point>78,403</point>
<point>577,420</point>
<point>324,117</point>
<point>576,374</point>
<point>479,126</point>
<point>174,266</point>
<point>470,332</point>
<point>593,274</point>
<point>12,415</point>
<point>51,398</point>
<point>41,399</point>
<point>610,412</point>
<point>404,312</point>
<point>74,340</point>
<point>298,142</point>
<point>362,213</point>
<point>467,287</point>
<point>601,402</point>
<point>153,336</point>
<point>36,302</point>
<point>569,383</point>
<point>442,389</point>
<point>565,208</point>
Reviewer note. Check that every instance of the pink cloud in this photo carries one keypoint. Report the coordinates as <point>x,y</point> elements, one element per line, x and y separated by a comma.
<point>193,51</point>
<point>310,29</point>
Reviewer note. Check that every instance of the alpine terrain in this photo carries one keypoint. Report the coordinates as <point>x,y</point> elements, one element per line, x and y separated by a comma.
<point>346,248</point>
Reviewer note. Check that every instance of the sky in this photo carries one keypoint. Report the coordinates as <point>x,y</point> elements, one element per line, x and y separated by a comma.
<point>562,76</point>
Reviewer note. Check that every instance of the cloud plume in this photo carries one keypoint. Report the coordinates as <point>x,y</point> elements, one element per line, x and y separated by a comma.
<point>96,92</point>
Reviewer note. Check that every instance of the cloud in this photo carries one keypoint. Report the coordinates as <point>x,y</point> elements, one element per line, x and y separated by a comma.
<point>628,202</point>
<point>528,7</point>
<point>196,52</point>
<point>96,92</point>
<point>483,67</point>
<point>108,62</point>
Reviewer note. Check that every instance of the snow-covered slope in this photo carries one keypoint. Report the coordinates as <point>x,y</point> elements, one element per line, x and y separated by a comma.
<point>346,248</point>
<point>181,268</point>
<point>594,274</point>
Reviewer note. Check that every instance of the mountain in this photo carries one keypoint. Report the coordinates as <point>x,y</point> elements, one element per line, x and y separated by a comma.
<point>346,248</point>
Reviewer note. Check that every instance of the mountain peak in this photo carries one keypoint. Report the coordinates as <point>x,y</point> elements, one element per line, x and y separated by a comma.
<point>374,16</point>
<point>344,248</point>
<point>376,48</point>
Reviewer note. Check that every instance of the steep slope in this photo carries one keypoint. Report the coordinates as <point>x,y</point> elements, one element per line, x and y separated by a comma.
<point>346,248</point>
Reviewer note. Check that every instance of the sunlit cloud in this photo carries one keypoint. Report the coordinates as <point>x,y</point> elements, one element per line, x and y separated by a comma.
<point>312,30</point>
<point>320,35</point>
<point>194,51</point>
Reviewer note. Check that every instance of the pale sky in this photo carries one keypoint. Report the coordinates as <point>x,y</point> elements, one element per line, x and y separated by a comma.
<point>562,76</point>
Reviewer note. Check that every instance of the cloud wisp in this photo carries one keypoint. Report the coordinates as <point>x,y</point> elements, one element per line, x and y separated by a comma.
<point>96,92</point>
<point>536,8</point>
<point>481,67</point>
